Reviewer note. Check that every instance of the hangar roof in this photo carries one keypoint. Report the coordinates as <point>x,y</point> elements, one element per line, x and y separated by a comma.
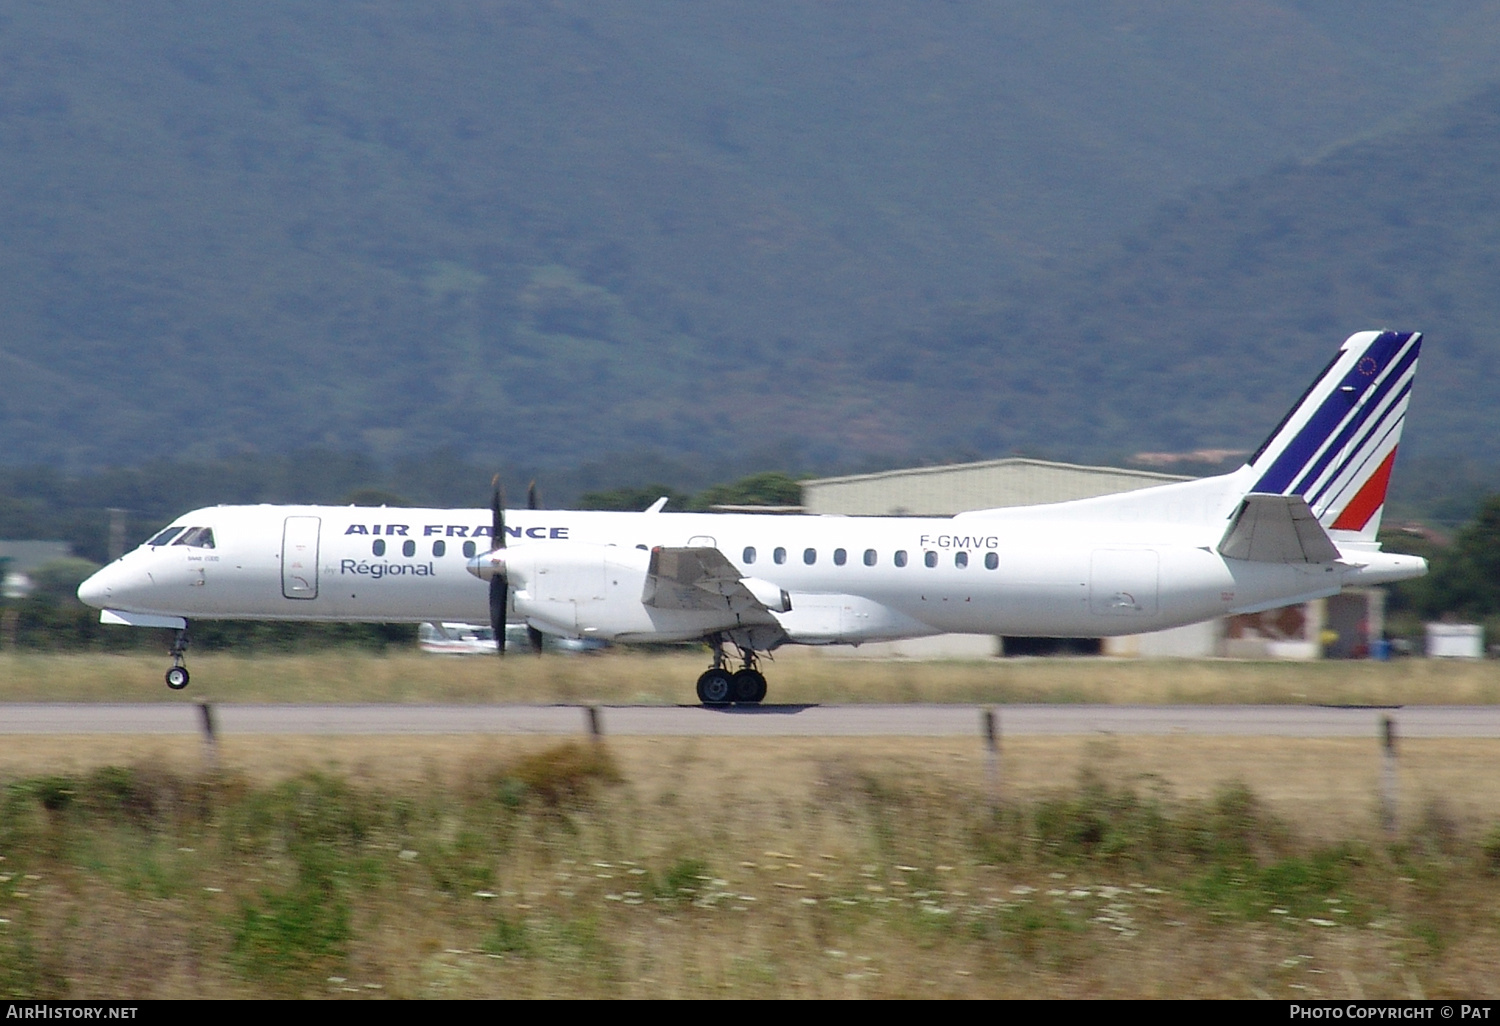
<point>945,490</point>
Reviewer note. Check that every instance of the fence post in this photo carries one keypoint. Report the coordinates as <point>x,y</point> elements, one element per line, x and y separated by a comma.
<point>1388,775</point>
<point>990,721</point>
<point>210,734</point>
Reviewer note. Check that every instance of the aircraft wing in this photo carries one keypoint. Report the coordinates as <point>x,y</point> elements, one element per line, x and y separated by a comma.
<point>697,578</point>
<point>1277,529</point>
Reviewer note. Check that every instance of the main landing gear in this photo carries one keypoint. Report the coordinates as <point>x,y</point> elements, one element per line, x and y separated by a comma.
<point>177,676</point>
<point>718,686</point>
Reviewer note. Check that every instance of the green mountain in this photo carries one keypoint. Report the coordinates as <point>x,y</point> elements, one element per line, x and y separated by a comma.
<point>540,233</point>
<point>1202,327</point>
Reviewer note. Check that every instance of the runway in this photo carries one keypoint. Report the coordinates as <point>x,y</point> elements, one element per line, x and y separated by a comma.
<point>766,721</point>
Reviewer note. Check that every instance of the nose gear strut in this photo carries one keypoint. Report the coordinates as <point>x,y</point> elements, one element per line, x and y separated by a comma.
<point>177,676</point>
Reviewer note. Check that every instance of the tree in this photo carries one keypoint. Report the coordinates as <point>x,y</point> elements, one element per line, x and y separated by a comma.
<point>769,488</point>
<point>1466,578</point>
<point>634,499</point>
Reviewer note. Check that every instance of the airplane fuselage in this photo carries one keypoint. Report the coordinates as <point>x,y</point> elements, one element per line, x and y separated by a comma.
<point>1298,521</point>
<point>848,579</point>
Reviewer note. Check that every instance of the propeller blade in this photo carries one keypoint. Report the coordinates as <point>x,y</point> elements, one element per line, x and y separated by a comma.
<point>533,497</point>
<point>497,514</point>
<point>499,585</point>
<point>536,638</point>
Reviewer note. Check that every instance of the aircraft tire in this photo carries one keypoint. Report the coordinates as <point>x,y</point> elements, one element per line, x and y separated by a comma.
<point>177,678</point>
<point>716,687</point>
<point>749,686</point>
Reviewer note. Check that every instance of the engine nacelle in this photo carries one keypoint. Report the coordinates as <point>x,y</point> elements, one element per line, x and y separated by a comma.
<point>772,596</point>
<point>582,590</point>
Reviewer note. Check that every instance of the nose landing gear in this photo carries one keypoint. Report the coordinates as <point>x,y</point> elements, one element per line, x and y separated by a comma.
<point>177,676</point>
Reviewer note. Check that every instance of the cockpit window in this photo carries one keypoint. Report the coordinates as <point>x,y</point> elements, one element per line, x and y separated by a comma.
<point>197,537</point>
<point>165,536</point>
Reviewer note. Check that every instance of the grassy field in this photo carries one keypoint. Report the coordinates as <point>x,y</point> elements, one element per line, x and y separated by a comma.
<point>475,867</point>
<point>619,677</point>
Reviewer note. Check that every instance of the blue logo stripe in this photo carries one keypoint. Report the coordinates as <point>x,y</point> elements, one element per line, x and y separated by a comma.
<point>1389,419</point>
<point>1384,430</point>
<point>1336,504</point>
<point>1304,446</point>
<point>1368,405</point>
<point>1331,414</point>
<point>1356,423</point>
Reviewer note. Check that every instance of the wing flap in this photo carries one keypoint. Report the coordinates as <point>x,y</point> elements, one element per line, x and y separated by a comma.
<point>1277,529</point>
<point>696,578</point>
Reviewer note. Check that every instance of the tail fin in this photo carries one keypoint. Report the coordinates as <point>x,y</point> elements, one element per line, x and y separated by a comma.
<point>1336,447</point>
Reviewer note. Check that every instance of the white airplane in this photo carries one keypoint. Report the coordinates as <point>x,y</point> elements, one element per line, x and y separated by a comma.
<point>1297,522</point>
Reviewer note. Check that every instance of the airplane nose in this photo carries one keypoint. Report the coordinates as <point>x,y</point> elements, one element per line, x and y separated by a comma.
<point>96,590</point>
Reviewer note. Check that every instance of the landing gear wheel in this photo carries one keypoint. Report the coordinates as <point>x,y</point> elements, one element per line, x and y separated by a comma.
<point>177,676</point>
<point>716,687</point>
<point>749,686</point>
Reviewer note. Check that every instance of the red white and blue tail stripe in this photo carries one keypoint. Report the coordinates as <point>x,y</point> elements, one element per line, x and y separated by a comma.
<point>1336,447</point>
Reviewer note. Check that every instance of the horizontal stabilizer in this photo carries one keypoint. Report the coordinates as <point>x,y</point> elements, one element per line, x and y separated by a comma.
<point>1277,529</point>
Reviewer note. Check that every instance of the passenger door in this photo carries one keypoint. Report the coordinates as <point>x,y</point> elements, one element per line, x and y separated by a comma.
<point>299,557</point>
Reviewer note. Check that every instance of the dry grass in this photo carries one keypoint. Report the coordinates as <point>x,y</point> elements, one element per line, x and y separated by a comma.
<point>472,867</point>
<point>623,677</point>
<point>1326,787</point>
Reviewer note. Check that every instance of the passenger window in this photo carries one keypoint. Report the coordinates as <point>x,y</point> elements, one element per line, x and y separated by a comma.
<point>991,560</point>
<point>779,556</point>
<point>930,559</point>
<point>869,557</point>
<point>960,559</point>
<point>900,557</point>
<point>469,549</point>
<point>840,557</point>
<point>439,548</point>
<point>165,537</point>
<point>408,548</point>
<point>378,547</point>
<point>809,556</point>
<point>197,537</point>
<point>749,555</point>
